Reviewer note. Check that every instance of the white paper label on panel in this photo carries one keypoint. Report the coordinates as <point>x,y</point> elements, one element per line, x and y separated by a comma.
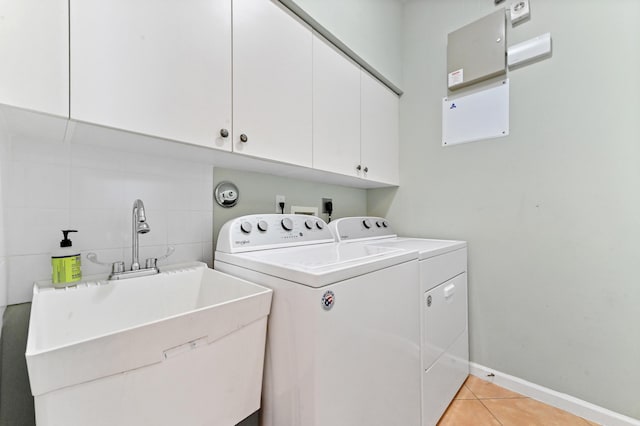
<point>456,77</point>
<point>476,116</point>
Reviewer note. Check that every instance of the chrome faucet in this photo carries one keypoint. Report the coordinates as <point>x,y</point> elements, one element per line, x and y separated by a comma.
<point>139,226</point>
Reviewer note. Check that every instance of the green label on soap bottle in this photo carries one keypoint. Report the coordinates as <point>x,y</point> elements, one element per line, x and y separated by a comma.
<point>66,269</point>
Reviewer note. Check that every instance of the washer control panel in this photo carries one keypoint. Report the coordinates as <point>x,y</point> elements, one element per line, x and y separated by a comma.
<point>361,227</point>
<point>265,231</point>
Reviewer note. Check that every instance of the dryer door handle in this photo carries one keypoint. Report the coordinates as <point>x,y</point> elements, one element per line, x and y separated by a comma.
<point>449,290</point>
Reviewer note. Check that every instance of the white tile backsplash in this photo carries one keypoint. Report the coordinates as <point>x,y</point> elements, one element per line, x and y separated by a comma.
<point>37,185</point>
<point>189,227</point>
<point>149,188</point>
<point>186,253</point>
<point>100,229</point>
<point>96,157</point>
<point>97,189</point>
<point>160,166</point>
<point>23,271</point>
<point>50,186</point>
<point>157,221</point>
<point>190,194</point>
<point>34,231</point>
<point>177,197</point>
<point>26,149</point>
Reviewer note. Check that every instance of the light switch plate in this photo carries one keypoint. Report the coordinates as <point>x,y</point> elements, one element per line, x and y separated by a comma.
<point>519,11</point>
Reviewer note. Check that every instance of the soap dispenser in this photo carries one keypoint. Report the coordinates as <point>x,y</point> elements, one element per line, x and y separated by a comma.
<point>65,263</point>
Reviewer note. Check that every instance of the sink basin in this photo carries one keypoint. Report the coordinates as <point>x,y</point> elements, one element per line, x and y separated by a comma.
<point>185,346</point>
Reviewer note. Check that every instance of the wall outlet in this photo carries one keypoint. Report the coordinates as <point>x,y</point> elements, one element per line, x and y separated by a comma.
<point>324,204</point>
<point>279,199</point>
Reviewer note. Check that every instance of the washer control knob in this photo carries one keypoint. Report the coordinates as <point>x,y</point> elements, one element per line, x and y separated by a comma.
<point>308,224</point>
<point>287,224</point>
<point>385,224</point>
<point>367,223</point>
<point>246,227</point>
<point>319,225</point>
<point>262,225</point>
<point>379,223</point>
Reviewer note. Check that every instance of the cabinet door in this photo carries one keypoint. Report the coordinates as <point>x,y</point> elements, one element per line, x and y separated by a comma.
<point>336,110</point>
<point>271,83</point>
<point>161,68</point>
<point>34,50</point>
<point>379,143</point>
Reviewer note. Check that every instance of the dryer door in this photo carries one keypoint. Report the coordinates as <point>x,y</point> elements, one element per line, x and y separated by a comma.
<point>445,318</point>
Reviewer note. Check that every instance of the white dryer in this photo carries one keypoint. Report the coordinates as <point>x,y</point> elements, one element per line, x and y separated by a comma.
<point>443,286</point>
<point>343,338</point>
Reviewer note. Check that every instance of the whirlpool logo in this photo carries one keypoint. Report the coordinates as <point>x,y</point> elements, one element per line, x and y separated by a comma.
<point>242,242</point>
<point>328,299</point>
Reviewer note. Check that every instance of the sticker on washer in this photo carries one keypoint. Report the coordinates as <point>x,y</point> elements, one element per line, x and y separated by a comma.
<point>328,299</point>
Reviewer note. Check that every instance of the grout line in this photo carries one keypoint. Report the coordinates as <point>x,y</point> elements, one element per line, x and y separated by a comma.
<point>506,397</point>
<point>481,400</point>
<point>490,412</point>
<point>520,396</point>
<point>474,395</point>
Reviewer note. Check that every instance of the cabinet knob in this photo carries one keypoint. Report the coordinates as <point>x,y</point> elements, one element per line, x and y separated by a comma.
<point>366,169</point>
<point>243,138</point>
<point>224,133</point>
<point>359,167</point>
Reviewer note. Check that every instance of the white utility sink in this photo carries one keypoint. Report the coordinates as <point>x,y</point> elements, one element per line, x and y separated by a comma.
<point>185,346</point>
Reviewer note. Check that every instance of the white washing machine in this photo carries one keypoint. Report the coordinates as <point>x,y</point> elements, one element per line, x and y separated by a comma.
<point>343,337</point>
<point>443,286</point>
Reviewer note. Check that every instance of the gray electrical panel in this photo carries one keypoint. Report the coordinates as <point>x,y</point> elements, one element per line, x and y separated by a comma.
<point>477,51</point>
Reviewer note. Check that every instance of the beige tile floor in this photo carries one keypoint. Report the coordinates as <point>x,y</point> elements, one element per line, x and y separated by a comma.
<point>481,403</point>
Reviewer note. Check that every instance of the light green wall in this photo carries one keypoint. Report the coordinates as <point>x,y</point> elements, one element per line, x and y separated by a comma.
<point>258,192</point>
<point>551,212</point>
<point>371,28</point>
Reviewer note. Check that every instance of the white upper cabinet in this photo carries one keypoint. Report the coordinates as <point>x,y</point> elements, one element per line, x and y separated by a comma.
<point>336,110</point>
<point>160,68</point>
<point>380,110</point>
<point>355,119</point>
<point>246,76</point>
<point>272,66</point>
<point>34,55</point>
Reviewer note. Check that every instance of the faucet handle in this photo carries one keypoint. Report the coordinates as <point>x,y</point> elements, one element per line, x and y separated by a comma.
<point>152,262</point>
<point>169,252</point>
<point>94,258</point>
<point>116,267</point>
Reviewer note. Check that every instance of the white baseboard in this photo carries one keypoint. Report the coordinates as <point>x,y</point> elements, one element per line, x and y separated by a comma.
<point>556,399</point>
